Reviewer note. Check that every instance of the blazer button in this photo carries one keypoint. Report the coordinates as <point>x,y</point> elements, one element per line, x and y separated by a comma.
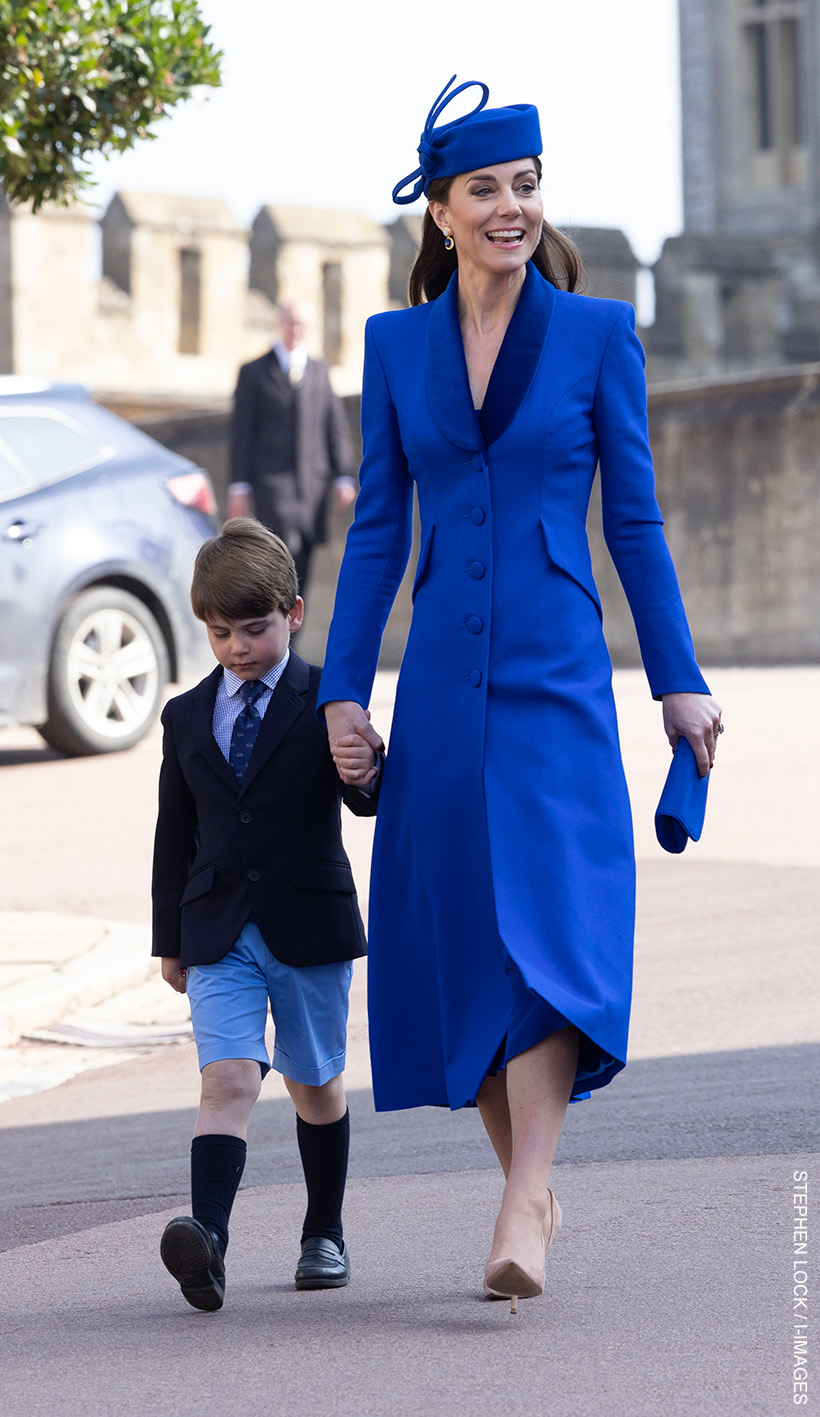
<point>254,875</point>
<point>477,516</point>
<point>476,570</point>
<point>246,817</point>
<point>475,678</point>
<point>475,625</point>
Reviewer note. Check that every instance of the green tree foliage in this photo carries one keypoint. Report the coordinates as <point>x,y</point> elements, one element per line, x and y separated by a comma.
<point>79,77</point>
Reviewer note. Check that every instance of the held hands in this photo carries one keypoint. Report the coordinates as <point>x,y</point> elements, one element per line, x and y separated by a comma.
<point>695,717</point>
<point>174,974</point>
<point>354,743</point>
<point>355,760</point>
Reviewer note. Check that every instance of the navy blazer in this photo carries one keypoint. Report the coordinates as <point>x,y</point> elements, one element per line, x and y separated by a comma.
<point>268,848</point>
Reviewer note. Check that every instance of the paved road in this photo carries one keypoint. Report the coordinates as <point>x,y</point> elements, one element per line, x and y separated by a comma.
<point>669,1288</point>
<point>670,1285</point>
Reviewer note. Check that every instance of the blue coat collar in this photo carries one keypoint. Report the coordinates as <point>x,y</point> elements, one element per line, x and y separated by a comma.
<point>448,386</point>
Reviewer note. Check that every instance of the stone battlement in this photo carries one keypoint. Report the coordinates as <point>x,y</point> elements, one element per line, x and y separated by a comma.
<point>186,295</point>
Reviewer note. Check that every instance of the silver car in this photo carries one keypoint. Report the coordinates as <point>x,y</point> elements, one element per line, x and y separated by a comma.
<point>99,526</point>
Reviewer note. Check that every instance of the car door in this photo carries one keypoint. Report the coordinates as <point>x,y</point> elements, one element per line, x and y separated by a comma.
<point>42,450</point>
<point>28,518</point>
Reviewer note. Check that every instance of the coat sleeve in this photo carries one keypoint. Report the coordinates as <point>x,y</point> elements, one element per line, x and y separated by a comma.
<point>244,427</point>
<point>632,521</point>
<point>174,842</point>
<point>363,804</point>
<point>378,544</point>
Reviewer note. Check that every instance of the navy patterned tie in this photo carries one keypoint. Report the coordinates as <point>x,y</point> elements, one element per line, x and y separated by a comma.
<point>246,726</point>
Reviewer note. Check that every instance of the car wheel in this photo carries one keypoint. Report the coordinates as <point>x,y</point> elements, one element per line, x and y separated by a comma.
<point>109,667</point>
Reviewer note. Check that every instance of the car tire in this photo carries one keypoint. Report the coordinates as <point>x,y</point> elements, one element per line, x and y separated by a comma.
<point>108,671</point>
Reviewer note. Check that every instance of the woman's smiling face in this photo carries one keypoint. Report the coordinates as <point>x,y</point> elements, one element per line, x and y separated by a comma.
<point>495,215</point>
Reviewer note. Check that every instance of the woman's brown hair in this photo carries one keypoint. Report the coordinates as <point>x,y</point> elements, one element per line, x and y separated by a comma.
<point>555,257</point>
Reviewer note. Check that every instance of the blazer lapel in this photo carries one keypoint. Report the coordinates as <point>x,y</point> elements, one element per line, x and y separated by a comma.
<point>448,387</point>
<point>277,374</point>
<point>519,356</point>
<point>202,729</point>
<point>287,703</point>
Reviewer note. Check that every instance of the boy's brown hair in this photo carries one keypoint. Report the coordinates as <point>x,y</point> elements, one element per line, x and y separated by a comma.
<point>244,572</point>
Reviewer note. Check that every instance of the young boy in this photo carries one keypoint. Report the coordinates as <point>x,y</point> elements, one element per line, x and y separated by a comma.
<point>254,901</point>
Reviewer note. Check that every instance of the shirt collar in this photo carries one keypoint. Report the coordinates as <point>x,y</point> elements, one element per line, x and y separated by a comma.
<point>233,683</point>
<point>291,359</point>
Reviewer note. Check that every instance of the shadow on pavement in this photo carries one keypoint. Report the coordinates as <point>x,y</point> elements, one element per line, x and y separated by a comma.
<point>60,1178</point>
<point>17,757</point>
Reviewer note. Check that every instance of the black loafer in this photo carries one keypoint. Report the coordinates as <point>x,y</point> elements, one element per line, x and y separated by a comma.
<point>322,1265</point>
<point>192,1255</point>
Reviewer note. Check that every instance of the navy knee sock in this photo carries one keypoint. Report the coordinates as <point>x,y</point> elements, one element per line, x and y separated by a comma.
<point>217,1163</point>
<point>324,1152</point>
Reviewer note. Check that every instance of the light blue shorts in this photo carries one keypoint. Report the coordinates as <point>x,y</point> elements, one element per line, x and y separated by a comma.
<point>229,1011</point>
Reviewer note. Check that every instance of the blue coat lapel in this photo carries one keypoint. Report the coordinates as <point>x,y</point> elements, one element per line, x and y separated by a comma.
<point>519,355</point>
<point>448,386</point>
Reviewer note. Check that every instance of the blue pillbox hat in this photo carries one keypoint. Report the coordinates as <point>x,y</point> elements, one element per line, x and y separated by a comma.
<point>682,807</point>
<point>477,139</point>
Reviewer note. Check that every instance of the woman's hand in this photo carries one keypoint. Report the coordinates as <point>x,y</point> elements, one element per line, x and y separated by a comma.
<point>346,721</point>
<point>695,717</point>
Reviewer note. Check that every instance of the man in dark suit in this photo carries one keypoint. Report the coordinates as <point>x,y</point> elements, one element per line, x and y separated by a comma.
<point>289,440</point>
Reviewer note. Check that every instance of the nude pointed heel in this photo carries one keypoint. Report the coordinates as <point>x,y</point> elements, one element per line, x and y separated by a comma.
<point>506,1279</point>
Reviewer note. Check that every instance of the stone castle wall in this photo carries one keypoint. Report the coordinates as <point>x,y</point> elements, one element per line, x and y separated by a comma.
<point>739,486</point>
<point>186,295</point>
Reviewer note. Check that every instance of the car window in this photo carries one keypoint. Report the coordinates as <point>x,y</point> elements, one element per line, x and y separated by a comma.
<point>13,479</point>
<point>46,447</point>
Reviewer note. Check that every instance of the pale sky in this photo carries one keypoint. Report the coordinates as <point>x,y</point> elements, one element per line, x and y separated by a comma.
<point>323,103</point>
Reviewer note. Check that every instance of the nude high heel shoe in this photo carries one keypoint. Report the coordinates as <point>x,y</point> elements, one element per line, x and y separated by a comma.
<point>506,1279</point>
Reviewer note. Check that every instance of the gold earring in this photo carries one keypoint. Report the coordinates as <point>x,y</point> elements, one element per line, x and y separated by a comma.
<point>449,243</point>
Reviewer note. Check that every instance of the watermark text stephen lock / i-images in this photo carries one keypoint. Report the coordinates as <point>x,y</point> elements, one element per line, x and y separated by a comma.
<point>800,1284</point>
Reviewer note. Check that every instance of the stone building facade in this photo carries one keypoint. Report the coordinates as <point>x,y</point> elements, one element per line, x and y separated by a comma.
<point>740,288</point>
<point>168,319</point>
<point>186,295</point>
<point>339,261</point>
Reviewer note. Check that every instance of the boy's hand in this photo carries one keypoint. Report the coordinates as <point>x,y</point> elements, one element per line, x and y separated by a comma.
<point>174,974</point>
<point>356,761</point>
<point>346,720</point>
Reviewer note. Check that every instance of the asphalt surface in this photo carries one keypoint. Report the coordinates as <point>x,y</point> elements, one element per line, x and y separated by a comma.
<point>60,1177</point>
<point>670,1286</point>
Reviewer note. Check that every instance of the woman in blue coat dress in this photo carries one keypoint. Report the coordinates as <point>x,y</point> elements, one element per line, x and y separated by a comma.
<point>502,889</point>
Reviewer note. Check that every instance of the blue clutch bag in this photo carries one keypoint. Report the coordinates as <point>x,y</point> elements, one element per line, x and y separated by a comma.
<point>682,807</point>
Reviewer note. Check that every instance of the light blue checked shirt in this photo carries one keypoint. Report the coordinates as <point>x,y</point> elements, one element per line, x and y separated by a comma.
<point>229,702</point>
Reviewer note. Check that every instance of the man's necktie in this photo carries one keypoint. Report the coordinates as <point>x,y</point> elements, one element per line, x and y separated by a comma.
<point>246,726</point>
